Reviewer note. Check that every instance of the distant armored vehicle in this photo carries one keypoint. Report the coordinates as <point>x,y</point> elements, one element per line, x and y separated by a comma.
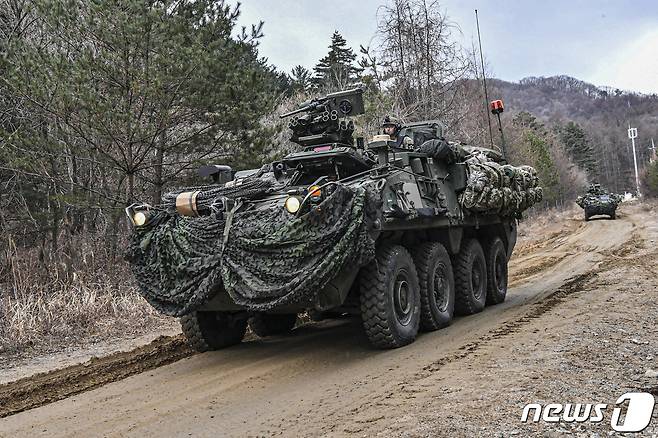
<point>597,201</point>
<point>400,233</point>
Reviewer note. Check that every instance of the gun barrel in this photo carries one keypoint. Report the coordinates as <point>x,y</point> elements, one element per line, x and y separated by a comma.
<point>351,94</point>
<point>307,106</point>
<point>292,113</point>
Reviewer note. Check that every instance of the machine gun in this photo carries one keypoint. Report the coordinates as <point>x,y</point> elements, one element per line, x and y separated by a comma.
<point>324,119</point>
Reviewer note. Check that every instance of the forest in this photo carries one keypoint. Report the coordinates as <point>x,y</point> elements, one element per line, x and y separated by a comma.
<point>110,102</point>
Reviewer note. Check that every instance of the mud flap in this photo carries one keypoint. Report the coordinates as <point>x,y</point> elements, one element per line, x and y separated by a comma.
<point>335,292</point>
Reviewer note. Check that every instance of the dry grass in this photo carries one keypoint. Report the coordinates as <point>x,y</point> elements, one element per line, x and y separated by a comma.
<point>536,221</point>
<point>41,308</point>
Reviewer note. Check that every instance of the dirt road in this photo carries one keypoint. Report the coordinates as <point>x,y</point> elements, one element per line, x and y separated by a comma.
<point>578,326</point>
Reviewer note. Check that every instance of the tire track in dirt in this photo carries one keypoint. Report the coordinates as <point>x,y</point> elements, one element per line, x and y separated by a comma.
<point>576,284</point>
<point>539,264</point>
<point>40,389</point>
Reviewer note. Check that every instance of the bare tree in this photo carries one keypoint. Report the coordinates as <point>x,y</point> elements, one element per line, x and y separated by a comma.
<point>416,60</point>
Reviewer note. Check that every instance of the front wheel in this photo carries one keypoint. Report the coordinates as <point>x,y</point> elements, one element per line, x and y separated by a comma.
<point>390,298</point>
<point>207,331</point>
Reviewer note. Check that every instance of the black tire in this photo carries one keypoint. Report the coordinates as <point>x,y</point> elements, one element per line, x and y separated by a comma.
<point>586,217</point>
<point>207,331</point>
<point>470,278</point>
<point>437,285</point>
<point>390,298</point>
<point>496,258</point>
<point>271,324</point>
<point>613,215</point>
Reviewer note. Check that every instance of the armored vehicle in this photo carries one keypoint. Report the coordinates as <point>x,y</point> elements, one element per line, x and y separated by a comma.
<point>598,201</point>
<point>402,234</point>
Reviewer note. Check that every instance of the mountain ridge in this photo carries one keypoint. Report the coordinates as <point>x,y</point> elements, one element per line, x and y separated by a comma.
<point>604,113</point>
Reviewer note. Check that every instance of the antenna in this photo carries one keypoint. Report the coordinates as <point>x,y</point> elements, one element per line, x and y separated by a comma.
<point>484,80</point>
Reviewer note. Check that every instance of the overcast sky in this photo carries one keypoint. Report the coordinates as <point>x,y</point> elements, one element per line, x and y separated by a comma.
<point>604,42</point>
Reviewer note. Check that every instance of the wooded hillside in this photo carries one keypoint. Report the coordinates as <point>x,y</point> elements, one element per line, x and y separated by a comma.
<point>601,146</point>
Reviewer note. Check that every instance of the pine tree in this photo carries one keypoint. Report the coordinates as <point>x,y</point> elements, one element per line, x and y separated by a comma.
<point>301,79</point>
<point>150,89</point>
<point>337,69</point>
<point>578,147</point>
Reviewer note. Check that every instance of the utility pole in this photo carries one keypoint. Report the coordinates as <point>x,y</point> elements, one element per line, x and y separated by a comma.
<point>652,157</point>
<point>632,134</point>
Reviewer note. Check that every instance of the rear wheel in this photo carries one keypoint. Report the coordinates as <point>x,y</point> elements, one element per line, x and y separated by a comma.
<point>213,330</point>
<point>496,258</point>
<point>470,278</point>
<point>586,216</point>
<point>264,324</point>
<point>437,285</point>
<point>390,298</point>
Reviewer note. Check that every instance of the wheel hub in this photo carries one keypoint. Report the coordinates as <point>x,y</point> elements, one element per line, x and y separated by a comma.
<point>440,287</point>
<point>476,278</point>
<point>402,298</point>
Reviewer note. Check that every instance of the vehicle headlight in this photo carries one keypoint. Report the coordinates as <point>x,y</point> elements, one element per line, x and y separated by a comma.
<point>138,214</point>
<point>292,204</point>
<point>139,218</point>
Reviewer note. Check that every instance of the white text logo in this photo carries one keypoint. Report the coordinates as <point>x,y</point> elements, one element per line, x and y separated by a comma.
<point>637,414</point>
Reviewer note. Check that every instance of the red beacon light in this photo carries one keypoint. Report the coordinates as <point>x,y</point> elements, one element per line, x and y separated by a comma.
<point>497,107</point>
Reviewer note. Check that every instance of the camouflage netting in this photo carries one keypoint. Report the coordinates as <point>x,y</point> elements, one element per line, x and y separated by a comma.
<point>494,188</point>
<point>264,258</point>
